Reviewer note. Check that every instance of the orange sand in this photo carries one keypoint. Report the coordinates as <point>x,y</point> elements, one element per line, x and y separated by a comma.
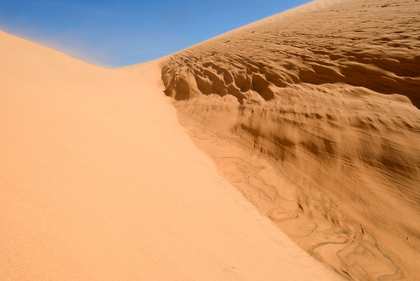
<point>99,182</point>
<point>311,118</point>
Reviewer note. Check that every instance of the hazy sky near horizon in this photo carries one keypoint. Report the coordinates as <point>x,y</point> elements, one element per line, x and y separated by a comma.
<point>116,33</point>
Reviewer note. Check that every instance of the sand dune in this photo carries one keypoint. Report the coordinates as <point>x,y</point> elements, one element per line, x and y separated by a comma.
<point>98,181</point>
<point>314,115</point>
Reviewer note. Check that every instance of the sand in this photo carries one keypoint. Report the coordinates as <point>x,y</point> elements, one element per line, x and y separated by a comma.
<point>98,181</point>
<point>314,115</point>
<point>288,149</point>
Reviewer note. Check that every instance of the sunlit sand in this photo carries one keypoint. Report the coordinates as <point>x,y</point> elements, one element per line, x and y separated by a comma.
<point>288,149</point>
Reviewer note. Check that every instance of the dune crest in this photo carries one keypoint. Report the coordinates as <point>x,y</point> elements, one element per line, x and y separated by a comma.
<point>314,115</point>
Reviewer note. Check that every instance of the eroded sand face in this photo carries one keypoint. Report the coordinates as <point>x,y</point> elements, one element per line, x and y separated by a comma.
<point>98,181</point>
<point>313,114</point>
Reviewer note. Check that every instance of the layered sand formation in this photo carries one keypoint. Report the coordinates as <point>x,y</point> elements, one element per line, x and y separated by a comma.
<point>98,181</point>
<point>314,115</point>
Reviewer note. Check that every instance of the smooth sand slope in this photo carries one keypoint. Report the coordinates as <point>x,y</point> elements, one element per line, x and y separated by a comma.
<point>98,181</point>
<point>314,115</point>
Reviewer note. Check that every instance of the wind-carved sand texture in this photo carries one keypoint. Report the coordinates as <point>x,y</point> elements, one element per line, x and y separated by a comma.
<point>314,116</point>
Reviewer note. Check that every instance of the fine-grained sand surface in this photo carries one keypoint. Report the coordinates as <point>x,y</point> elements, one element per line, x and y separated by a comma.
<point>98,181</point>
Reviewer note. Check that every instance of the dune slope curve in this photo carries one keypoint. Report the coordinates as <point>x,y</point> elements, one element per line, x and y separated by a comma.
<point>314,115</point>
<point>98,181</point>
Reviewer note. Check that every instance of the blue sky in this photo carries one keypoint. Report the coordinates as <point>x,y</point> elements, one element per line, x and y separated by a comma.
<point>115,33</point>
